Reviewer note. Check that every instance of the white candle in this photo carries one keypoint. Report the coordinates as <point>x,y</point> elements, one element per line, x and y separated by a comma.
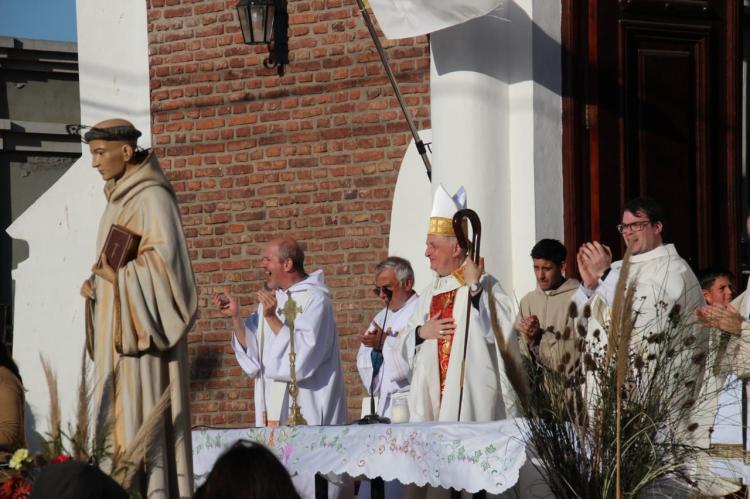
<point>400,411</point>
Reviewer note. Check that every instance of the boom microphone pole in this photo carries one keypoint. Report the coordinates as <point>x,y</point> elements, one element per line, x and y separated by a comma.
<point>374,355</point>
<point>421,149</point>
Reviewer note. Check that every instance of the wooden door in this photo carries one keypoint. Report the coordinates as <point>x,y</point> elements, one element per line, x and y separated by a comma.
<point>651,108</point>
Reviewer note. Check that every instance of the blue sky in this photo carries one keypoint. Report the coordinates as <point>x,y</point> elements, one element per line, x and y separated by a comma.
<point>44,19</point>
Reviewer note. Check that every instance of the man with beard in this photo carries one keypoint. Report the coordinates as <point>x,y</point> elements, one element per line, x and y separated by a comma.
<point>666,296</point>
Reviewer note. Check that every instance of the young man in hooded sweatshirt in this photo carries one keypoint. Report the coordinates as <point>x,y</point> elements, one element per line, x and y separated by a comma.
<point>543,317</point>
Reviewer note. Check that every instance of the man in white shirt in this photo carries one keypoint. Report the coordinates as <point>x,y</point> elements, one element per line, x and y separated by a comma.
<point>379,352</point>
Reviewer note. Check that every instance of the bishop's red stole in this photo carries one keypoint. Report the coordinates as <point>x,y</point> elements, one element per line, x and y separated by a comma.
<point>441,307</point>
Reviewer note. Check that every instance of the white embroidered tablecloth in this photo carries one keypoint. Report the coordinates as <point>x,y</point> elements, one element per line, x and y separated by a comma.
<point>469,456</point>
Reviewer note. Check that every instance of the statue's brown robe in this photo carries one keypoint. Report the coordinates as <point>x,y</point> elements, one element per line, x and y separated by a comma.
<point>140,327</point>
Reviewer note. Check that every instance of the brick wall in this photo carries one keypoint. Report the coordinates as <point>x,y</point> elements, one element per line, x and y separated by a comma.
<point>314,154</point>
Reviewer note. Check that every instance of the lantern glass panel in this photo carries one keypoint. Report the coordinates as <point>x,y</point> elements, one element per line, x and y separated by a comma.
<point>244,24</point>
<point>269,23</point>
<point>256,20</point>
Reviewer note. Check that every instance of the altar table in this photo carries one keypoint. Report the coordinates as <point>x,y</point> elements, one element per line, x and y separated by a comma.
<point>462,456</point>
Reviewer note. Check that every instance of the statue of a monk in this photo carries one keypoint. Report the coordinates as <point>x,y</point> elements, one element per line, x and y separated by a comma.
<point>139,315</point>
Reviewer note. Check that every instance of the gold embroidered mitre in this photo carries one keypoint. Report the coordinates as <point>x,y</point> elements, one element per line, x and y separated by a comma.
<point>444,206</point>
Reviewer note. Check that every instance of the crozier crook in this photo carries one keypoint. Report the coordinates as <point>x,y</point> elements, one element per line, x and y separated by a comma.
<point>473,250</point>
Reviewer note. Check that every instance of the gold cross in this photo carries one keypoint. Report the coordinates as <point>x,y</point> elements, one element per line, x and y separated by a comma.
<point>290,310</point>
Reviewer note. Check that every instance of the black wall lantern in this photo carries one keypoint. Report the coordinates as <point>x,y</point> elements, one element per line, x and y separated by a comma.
<point>266,22</point>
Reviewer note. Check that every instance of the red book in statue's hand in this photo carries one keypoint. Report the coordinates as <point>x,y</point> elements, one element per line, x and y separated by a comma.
<point>121,246</point>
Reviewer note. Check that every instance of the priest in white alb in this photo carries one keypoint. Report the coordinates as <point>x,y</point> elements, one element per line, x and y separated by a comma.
<point>379,354</point>
<point>666,290</point>
<point>437,329</point>
<point>665,287</point>
<point>383,369</point>
<point>261,345</point>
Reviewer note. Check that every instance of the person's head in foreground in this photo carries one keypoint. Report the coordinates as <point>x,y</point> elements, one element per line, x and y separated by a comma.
<point>248,470</point>
<point>75,480</point>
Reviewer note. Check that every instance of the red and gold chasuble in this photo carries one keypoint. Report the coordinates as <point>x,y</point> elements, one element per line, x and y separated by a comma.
<point>441,307</point>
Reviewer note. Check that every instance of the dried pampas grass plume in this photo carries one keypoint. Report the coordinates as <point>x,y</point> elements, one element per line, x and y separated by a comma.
<point>513,370</point>
<point>623,322</point>
<point>55,422</point>
<point>80,438</point>
<point>147,436</point>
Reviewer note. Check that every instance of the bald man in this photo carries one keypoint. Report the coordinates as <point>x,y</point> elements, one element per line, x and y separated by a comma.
<point>261,345</point>
<point>139,314</point>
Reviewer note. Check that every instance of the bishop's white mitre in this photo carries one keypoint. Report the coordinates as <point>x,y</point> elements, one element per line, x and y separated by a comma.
<point>444,206</point>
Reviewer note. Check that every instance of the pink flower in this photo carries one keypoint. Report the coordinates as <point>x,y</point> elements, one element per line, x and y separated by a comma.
<point>286,453</point>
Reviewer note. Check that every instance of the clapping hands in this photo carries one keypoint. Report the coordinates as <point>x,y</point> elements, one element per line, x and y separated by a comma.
<point>593,260</point>
<point>375,337</point>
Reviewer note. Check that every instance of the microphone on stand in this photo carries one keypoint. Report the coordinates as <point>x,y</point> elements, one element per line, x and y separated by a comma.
<point>376,356</point>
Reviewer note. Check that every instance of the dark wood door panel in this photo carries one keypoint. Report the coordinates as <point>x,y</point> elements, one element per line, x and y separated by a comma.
<point>671,8</point>
<point>659,96</point>
<point>666,127</point>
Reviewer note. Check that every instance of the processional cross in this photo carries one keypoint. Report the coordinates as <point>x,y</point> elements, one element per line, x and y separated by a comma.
<point>290,311</point>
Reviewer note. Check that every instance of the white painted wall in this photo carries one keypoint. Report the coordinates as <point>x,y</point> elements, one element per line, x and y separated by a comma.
<point>60,227</point>
<point>410,214</point>
<point>535,107</point>
<point>547,70</point>
<point>497,129</point>
<point>469,104</point>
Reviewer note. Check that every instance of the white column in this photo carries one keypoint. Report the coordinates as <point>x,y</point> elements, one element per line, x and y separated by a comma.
<point>535,105</point>
<point>547,72</point>
<point>470,119</point>
<point>497,129</point>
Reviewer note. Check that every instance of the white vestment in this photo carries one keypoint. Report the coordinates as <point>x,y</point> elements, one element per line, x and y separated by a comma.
<point>663,280</point>
<point>394,373</point>
<point>317,364</point>
<point>487,393</point>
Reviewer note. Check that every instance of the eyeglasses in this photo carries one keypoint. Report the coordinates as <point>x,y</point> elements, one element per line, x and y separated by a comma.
<point>633,227</point>
<point>382,289</point>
